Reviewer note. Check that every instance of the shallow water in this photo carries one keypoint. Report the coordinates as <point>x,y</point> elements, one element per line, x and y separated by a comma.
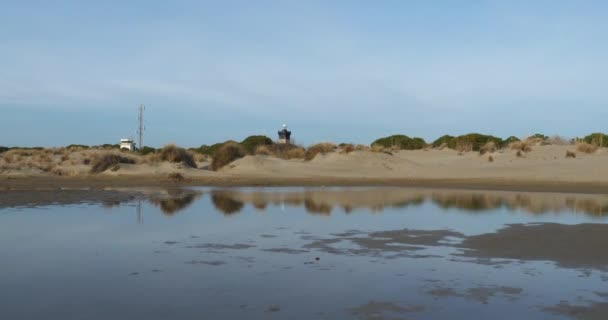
<point>302,253</point>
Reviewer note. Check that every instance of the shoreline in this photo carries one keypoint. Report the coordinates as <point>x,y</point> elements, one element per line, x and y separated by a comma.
<point>490,184</point>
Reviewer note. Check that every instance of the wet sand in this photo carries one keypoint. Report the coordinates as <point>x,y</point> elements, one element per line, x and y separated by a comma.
<point>100,182</point>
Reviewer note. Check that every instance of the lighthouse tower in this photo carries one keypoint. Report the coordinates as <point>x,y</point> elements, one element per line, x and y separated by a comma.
<point>284,135</point>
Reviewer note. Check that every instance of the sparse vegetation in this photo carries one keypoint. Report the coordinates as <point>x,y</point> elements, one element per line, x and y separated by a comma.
<point>521,146</point>
<point>489,147</point>
<point>377,148</point>
<point>105,161</point>
<point>322,148</point>
<point>288,151</point>
<point>176,176</point>
<point>262,151</point>
<point>558,141</point>
<point>295,153</point>
<point>586,147</point>
<point>347,147</point>
<point>570,154</point>
<point>226,154</point>
<point>490,159</point>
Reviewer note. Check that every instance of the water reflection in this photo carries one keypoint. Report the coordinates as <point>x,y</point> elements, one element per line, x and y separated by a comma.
<point>323,202</point>
<point>175,200</point>
<point>224,202</point>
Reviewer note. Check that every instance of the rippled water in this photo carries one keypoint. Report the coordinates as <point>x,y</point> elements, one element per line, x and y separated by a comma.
<point>301,253</point>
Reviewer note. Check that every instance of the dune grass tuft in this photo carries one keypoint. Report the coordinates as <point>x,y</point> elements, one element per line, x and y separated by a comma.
<point>322,148</point>
<point>347,148</point>
<point>295,153</point>
<point>570,154</point>
<point>106,161</point>
<point>489,147</point>
<point>262,151</point>
<point>226,154</point>
<point>175,154</point>
<point>523,146</point>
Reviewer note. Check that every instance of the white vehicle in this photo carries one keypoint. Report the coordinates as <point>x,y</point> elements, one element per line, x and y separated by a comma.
<point>127,144</point>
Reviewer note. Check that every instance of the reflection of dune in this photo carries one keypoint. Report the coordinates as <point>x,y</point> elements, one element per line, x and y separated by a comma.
<point>174,200</point>
<point>376,199</point>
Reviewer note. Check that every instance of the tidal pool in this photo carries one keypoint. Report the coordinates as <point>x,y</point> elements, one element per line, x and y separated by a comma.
<point>302,253</point>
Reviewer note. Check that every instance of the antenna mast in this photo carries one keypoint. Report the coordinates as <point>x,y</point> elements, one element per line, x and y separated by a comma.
<point>141,128</point>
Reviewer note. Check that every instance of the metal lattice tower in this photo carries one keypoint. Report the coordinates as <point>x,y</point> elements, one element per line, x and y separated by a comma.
<point>141,128</point>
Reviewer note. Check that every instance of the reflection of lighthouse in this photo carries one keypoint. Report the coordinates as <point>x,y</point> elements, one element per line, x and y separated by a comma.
<point>284,135</point>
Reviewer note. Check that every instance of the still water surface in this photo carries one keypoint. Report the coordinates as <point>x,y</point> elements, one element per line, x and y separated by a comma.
<point>302,253</point>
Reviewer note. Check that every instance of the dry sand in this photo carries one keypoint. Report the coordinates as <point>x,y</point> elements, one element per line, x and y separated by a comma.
<point>544,169</point>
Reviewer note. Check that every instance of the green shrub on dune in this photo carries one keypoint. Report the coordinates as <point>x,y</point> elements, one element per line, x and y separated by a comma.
<point>210,150</point>
<point>446,140</point>
<point>400,141</point>
<point>599,139</point>
<point>146,150</point>
<point>477,140</point>
<point>511,139</point>
<point>252,142</point>
<point>470,142</point>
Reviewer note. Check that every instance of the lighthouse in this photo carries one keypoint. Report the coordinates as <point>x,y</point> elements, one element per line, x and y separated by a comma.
<point>284,135</point>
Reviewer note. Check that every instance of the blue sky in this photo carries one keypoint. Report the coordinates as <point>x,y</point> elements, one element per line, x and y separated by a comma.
<point>343,71</point>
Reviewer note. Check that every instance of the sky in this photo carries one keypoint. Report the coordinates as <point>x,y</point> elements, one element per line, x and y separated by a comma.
<point>332,70</point>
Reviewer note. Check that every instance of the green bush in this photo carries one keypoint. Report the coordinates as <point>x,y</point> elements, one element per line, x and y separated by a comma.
<point>146,150</point>
<point>401,141</point>
<point>252,142</point>
<point>226,154</point>
<point>472,141</point>
<point>212,149</point>
<point>511,139</point>
<point>448,140</point>
<point>598,139</point>
<point>4,149</point>
<point>538,136</point>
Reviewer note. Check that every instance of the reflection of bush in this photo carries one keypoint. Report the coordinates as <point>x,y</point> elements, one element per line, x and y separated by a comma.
<point>224,202</point>
<point>175,203</point>
<point>474,202</point>
<point>320,208</point>
<point>471,202</point>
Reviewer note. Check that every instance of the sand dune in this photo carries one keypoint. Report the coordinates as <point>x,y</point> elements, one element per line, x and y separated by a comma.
<point>546,163</point>
<point>543,165</point>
